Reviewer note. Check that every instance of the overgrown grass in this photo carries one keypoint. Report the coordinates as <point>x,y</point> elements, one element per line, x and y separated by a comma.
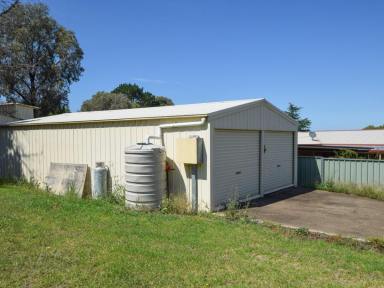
<point>53,241</point>
<point>373,192</point>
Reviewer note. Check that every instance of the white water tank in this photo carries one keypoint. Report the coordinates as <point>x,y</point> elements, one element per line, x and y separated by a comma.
<point>145,176</point>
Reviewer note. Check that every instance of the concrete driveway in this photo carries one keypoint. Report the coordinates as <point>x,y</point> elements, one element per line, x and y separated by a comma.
<point>329,212</point>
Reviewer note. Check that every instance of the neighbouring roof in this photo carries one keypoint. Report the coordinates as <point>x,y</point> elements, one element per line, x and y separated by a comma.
<point>19,104</point>
<point>200,109</point>
<point>344,138</point>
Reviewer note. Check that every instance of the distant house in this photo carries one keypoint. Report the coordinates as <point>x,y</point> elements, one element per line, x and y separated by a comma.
<point>10,112</point>
<point>367,143</point>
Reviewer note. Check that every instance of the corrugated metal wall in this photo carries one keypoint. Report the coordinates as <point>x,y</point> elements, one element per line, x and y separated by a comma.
<point>312,170</point>
<point>28,151</point>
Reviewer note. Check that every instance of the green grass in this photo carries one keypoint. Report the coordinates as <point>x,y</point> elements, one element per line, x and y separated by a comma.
<point>373,192</point>
<point>52,241</point>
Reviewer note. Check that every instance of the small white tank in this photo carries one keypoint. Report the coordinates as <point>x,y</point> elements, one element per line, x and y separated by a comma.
<point>145,176</point>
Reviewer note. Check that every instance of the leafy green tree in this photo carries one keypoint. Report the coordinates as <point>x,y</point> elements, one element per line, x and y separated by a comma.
<point>39,59</point>
<point>124,96</point>
<point>134,93</point>
<point>294,112</point>
<point>106,101</point>
<point>373,127</point>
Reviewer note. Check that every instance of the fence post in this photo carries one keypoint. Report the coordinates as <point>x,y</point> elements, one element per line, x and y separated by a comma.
<point>322,170</point>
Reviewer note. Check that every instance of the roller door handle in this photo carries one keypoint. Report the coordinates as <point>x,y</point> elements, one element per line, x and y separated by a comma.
<point>238,172</point>
<point>278,165</point>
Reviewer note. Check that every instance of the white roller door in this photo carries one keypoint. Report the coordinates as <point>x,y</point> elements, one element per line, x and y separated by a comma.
<point>277,161</point>
<point>235,165</point>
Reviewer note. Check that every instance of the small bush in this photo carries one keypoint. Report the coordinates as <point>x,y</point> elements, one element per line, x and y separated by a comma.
<point>370,191</point>
<point>176,204</point>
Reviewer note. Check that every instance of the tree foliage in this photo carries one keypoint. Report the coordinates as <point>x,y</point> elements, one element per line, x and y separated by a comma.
<point>294,112</point>
<point>106,101</point>
<point>373,127</point>
<point>346,153</point>
<point>7,5</point>
<point>124,96</point>
<point>39,59</point>
<point>141,98</point>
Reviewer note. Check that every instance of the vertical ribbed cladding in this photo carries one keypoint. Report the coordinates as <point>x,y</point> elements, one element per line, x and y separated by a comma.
<point>145,175</point>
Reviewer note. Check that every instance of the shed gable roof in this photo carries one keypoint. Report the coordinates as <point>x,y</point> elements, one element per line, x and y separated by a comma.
<point>187,110</point>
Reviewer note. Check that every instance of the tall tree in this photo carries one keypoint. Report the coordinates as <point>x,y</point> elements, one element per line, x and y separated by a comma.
<point>294,112</point>
<point>39,59</point>
<point>124,96</point>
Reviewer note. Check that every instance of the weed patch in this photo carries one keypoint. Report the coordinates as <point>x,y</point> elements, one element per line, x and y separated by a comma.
<point>176,204</point>
<point>369,191</point>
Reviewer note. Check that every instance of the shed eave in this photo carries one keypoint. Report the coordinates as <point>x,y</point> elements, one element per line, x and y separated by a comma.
<point>20,124</point>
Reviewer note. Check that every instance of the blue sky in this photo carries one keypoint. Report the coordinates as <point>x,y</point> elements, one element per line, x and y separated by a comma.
<point>326,56</point>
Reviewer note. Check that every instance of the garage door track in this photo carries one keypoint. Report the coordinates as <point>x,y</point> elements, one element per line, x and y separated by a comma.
<point>329,212</point>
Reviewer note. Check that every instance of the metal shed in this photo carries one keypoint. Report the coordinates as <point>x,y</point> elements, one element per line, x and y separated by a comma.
<point>249,146</point>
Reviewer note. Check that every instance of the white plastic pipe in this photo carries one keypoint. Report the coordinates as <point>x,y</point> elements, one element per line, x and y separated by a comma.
<point>159,134</point>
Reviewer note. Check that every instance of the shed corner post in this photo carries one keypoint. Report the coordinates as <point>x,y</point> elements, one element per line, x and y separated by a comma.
<point>295,158</point>
<point>261,163</point>
<point>211,156</point>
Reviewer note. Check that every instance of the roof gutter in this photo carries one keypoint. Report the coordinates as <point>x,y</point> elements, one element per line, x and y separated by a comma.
<point>159,132</point>
<point>28,123</point>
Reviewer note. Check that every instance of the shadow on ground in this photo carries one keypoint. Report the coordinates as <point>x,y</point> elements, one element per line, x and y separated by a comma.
<point>279,196</point>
